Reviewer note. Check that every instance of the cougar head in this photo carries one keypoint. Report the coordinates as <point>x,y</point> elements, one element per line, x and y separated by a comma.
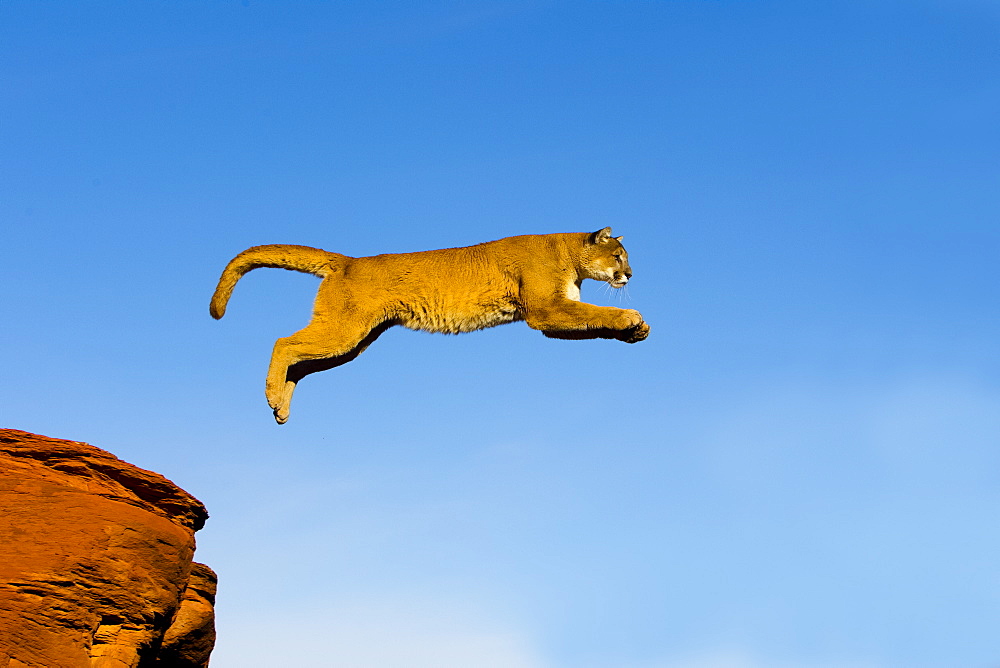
<point>605,259</point>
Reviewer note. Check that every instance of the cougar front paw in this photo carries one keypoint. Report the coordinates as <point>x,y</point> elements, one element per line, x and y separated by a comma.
<point>636,334</point>
<point>628,318</point>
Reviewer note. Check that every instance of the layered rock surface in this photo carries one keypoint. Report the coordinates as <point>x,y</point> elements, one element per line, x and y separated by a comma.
<point>96,563</point>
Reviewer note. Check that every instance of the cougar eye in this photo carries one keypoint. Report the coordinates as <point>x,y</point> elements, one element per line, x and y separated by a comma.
<point>617,257</point>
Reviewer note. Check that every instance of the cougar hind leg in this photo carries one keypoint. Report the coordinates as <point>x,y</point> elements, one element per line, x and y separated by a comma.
<point>318,347</point>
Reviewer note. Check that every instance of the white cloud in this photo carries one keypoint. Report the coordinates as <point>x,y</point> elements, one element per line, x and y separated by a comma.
<point>731,658</point>
<point>717,659</point>
<point>401,634</point>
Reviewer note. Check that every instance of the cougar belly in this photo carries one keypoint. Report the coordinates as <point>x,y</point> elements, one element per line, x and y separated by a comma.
<point>455,318</point>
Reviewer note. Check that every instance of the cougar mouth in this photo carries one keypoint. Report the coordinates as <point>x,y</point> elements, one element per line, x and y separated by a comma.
<point>618,282</point>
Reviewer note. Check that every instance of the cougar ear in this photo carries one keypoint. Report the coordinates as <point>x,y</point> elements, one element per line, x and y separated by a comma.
<point>600,236</point>
<point>619,238</point>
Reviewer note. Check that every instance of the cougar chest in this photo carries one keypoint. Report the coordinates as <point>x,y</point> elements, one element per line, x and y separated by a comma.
<point>573,290</point>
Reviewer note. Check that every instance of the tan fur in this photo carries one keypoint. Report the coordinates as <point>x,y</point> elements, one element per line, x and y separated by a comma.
<point>535,278</point>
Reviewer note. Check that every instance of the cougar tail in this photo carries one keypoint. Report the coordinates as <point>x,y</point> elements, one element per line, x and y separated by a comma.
<point>296,258</point>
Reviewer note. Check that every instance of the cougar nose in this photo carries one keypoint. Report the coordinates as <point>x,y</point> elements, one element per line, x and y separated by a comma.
<point>628,273</point>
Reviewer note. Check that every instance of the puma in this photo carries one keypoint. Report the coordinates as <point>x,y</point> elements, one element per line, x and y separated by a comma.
<point>534,278</point>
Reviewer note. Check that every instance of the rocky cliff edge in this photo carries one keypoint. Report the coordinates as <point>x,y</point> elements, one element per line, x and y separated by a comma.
<point>96,563</point>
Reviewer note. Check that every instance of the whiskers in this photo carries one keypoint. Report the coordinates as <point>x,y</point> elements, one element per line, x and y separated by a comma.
<point>617,294</point>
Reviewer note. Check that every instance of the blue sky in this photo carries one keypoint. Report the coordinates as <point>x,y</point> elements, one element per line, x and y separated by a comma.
<point>799,467</point>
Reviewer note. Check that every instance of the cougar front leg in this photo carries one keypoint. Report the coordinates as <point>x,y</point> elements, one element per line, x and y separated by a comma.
<point>577,320</point>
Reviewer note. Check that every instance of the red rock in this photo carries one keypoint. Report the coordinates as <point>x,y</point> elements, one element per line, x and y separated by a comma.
<point>95,561</point>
